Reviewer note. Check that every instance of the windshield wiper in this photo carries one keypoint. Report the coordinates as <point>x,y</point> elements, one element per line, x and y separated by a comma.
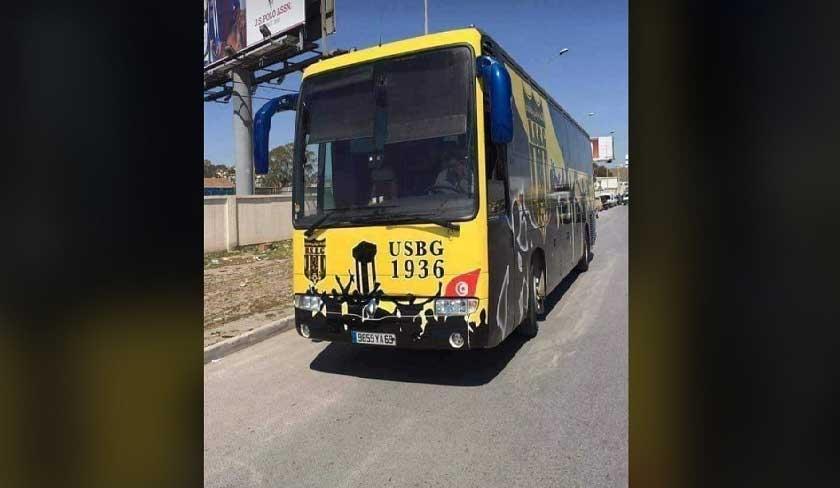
<point>314,225</point>
<point>425,216</point>
<point>444,223</point>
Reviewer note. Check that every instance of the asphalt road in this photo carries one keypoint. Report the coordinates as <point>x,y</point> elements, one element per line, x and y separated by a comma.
<point>551,411</point>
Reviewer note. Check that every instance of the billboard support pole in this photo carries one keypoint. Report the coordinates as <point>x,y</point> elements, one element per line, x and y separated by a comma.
<point>324,26</point>
<point>242,128</point>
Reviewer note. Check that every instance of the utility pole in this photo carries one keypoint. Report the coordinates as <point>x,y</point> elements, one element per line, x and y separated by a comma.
<point>426,16</point>
<point>242,132</point>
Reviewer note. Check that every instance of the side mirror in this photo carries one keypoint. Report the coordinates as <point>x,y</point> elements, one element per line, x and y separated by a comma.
<point>497,83</point>
<point>262,126</point>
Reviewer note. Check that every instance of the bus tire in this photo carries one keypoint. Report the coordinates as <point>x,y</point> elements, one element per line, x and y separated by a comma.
<point>529,327</point>
<point>583,264</point>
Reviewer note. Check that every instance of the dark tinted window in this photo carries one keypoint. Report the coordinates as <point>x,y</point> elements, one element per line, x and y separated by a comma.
<point>391,139</point>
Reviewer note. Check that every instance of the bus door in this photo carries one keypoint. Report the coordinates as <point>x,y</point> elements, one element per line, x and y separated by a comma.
<point>505,278</point>
<point>564,235</point>
<point>579,221</point>
<point>574,221</point>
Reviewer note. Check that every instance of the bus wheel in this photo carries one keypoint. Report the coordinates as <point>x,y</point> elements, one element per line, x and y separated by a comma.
<point>539,290</point>
<point>583,264</point>
<point>529,326</point>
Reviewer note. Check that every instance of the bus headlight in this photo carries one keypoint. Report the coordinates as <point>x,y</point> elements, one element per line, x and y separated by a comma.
<point>308,302</point>
<point>455,306</point>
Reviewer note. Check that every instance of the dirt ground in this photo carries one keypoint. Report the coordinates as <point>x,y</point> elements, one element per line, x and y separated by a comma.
<point>246,288</point>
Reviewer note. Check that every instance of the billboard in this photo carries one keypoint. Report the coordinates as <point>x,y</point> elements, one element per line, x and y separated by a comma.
<point>278,15</point>
<point>224,29</point>
<point>602,148</point>
<point>232,25</point>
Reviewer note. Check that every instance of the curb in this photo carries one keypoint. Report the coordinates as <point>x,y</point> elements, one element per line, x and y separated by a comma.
<point>222,349</point>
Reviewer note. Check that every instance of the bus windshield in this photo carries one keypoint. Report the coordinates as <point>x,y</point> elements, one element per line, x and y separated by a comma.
<point>387,142</point>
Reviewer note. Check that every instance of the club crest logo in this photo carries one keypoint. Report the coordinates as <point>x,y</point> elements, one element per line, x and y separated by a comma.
<point>315,259</point>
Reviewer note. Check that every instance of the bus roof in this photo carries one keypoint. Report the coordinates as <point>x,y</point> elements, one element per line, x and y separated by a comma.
<point>470,35</point>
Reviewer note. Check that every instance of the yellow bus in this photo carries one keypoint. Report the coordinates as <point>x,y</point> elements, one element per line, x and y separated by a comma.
<point>439,194</point>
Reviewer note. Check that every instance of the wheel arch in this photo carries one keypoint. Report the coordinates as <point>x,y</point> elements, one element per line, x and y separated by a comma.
<point>538,253</point>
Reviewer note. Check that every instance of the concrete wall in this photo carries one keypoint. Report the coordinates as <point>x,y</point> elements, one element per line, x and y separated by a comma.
<point>215,223</point>
<point>233,221</point>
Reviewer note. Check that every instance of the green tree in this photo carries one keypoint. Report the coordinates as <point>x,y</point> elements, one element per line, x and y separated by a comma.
<point>209,169</point>
<point>280,167</point>
<point>216,170</point>
<point>600,170</point>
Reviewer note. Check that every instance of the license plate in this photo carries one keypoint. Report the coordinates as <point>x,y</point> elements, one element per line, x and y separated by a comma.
<point>377,338</point>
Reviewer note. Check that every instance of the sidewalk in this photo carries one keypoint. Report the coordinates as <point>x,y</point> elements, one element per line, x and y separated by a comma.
<point>246,289</point>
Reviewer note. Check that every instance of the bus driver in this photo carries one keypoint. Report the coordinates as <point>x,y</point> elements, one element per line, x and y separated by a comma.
<point>454,176</point>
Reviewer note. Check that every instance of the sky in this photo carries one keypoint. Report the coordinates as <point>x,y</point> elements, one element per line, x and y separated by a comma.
<point>590,77</point>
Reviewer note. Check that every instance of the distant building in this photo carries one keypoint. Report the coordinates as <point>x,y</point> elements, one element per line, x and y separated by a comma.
<point>218,186</point>
<point>607,183</point>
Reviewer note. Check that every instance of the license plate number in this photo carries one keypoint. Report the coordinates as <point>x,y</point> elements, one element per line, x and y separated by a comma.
<point>377,338</point>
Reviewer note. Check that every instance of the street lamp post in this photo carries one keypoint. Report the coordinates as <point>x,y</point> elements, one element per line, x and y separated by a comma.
<point>560,53</point>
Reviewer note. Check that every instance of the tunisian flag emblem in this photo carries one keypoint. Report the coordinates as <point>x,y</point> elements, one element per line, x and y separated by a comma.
<point>463,285</point>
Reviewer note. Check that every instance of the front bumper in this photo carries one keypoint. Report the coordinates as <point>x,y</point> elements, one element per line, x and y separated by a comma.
<point>410,332</point>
